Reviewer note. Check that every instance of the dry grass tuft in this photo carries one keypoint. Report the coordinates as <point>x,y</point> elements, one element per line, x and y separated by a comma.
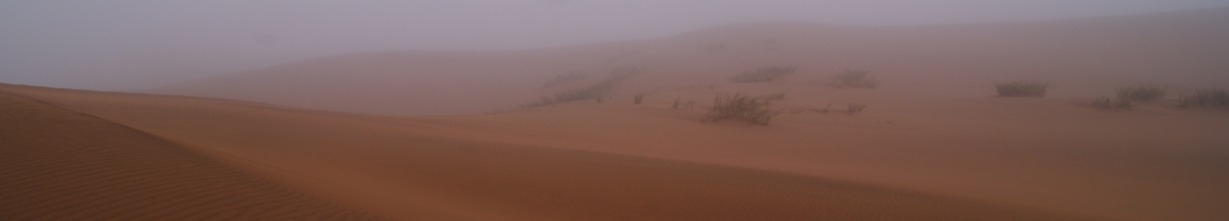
<point>680,105</point>
<point>1140,93</point>
<point>753,110</point>
<point>855,108</point>
<point>594,91</point>
<point>1105,103</point>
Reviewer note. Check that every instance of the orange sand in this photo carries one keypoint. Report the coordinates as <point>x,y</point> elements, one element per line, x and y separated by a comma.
<point>933,144</point>
<point>63,165</point>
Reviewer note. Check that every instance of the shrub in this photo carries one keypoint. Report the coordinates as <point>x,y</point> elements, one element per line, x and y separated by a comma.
<point>639,97</point>
<point>1123,104</point>
<point>855,107</point>
<point>594,91</point>
<point>1214,96</point>
<point>753,110</point>
<point>763,74</point>
<point>1105,103</point>
<point>1185,101</point>
<point>1022,88</point>
<point>1140,93</point>
<point>679,104</point>
<point>852,78</point>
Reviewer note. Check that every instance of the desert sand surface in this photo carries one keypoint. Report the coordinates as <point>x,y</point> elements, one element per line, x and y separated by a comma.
<point>933,143</point>
<point>909,158</point>
<point>440,168</point>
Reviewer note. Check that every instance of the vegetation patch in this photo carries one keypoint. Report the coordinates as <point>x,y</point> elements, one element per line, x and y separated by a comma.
<point>594,91</point>
<point>855,108</point>
<point>1140,93</point>
<point>639,98</point>
<point>763,74</point>
<point>852,78</point>
<point>679,104</point>
<point>1205,97</point>
<point>753,110</point>
<point>1105,103</point>
<point>1022,89</point>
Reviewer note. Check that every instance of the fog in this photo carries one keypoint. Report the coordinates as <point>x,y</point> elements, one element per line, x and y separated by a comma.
<point>125,45</point>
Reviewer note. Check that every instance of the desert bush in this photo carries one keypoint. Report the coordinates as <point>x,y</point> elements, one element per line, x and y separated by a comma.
<point>1140,93</point>
<point>1105,103</point>
<point>855,108</point>
<point>679,104</point>
<point>753,110</point>
<point>1022,88</point>
<point>826,108</point>
<point>1185,101</point>
<point>1214,96</point>
<point>594,91</point>
<point>638,98</point>
<point>852,78</point>
<point>1123,104</point>
<point>570,76</point>
<point>763,74</point>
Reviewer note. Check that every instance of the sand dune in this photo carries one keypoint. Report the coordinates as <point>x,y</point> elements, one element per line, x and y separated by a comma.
<point>933,144</point>
<point>1082,57</point>
<point>423,164</point>
<point>62,165</point>
<point>910,157</point>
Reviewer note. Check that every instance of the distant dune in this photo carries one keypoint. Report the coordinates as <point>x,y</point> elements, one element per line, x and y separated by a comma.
<point>1082,57</point>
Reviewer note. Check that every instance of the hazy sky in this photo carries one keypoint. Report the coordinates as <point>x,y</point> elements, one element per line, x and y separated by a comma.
<point>126,44</point>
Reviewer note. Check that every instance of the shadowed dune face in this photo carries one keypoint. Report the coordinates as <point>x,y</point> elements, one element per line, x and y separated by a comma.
<point>1181,50</point>
<point>57,164</point>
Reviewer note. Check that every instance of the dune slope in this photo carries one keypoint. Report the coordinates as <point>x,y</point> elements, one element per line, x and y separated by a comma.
<point>57,164</point>
<point>475,176</point>
<point>933,144</point>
